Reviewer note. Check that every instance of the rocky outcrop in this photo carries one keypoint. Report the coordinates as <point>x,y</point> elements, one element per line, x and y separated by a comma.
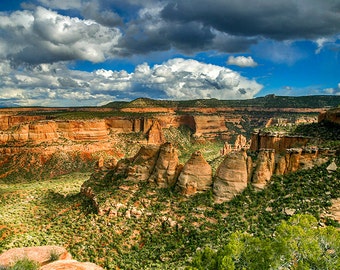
<point>227,148</point>
<point>277,141</point>
<point>143,163</point>
<point>231,176</point>
<point>40,254</point>
<point>330,116</point>
<point>80,130</point>
<point>240,142</point>
<point>155,134</point>
<point>166,170</point>
<point>47,257</point>
<point>8,120</point>
<point>264,169</point>
<point>208,125</point>
<point>195,176</point>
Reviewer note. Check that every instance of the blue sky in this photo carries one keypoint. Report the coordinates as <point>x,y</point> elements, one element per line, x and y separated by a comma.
<point>91,52</point>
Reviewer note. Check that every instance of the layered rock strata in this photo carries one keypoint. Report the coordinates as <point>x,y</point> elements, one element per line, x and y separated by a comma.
<point>277,141</point>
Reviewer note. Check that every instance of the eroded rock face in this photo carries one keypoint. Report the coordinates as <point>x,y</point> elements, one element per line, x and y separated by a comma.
<point>77,130</point>
<point>331,116</point>
<point>39,254</point>
<point>278,142</point>
<point>166,169</point>
<point>143,163</point>
<point>231,176</point>
<point>195,176</point>
<point>205,124</point>
<point>155,134</point>
<point>264,169</point>
<point>240,142</point>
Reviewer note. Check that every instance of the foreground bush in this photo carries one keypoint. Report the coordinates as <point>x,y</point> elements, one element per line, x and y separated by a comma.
<point>298,243</point>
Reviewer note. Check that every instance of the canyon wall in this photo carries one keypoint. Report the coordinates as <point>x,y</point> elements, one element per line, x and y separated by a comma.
<point>33,137</point>
<point>330,116</point>
<point>277,141</point>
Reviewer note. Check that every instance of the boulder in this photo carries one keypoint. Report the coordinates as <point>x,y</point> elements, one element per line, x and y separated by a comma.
<point>39,254</point>
<point>264,169</point>
<point>71,265</point>
<point>195,176</point>
<point>231,176</point>
<point>332,167</point>
<point>166,168</point>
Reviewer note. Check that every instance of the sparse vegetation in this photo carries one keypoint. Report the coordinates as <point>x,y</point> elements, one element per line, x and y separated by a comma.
<point>145,227</point>
<point>53,212</point>
<point>23,264</point>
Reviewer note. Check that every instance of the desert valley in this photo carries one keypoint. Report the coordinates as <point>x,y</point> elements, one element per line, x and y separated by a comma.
<point>156,184</point>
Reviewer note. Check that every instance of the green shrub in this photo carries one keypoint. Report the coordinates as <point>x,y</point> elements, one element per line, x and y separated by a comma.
<point>24,264</point>
<point>296,244</point>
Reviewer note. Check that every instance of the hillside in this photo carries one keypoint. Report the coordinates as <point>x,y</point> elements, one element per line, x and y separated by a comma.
<point>269,101</point>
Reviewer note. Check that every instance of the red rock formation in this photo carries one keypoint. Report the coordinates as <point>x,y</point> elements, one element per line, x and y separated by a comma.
<point>155,134</point>
<point>206,124</point>
<point>264,169</point>
<point>143,163</point>
<point>296,159</point>
<point>39,254</point>
<point>240,142</point>
<point>81,130</point>
<point>278,142</point>
<point>226,149</point>
<point>231,176</point>
<point>330,116</point>
<point>122,125</point>
<point>45,131</point>
<point>166,172</point>
<point>8,120</point>
<point>195,176</point>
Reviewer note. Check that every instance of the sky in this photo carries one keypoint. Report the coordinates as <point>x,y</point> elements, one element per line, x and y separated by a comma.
<point>92,52</point>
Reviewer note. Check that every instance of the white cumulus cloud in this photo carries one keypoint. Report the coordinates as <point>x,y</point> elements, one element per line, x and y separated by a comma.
<point>44,36</point>
<point>241,61</point>
<point>57,85</point>
<point>190,79</point>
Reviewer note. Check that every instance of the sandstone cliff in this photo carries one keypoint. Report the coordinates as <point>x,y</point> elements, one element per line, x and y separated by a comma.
<point>265,165</point>
<point>166,169</point>
<point>143,163</point>
<point>195,176</point>
<point>277,141</point>
<point>330,116</point>
<point>231,176</point>
<point>43,135</point>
